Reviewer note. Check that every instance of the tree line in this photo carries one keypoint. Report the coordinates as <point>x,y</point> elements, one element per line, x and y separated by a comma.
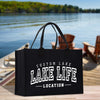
<point>38,7</point>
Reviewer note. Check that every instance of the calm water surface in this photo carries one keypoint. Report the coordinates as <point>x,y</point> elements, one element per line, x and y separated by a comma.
<point>17,30</point>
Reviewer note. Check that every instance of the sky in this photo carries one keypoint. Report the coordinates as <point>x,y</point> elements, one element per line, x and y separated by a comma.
<point>80,3</point>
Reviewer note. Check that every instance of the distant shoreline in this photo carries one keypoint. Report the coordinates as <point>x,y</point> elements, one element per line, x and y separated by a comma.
<point>41,13</point>
<point>38,7</point>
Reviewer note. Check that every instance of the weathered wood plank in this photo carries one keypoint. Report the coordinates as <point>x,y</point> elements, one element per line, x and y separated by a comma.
<point>90,93</point>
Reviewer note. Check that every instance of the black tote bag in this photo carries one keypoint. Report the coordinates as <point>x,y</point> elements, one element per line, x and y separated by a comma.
<point>48,71</point>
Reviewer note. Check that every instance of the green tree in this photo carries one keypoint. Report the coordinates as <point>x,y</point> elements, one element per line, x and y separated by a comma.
<point>37,7</point>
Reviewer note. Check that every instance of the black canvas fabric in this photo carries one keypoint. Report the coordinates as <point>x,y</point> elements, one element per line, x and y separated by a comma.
<point>48,71</point>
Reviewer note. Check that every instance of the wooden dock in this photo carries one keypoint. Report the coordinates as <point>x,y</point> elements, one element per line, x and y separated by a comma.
<point>90,93</point>
<point>8,68</point>
<point>91,72</point>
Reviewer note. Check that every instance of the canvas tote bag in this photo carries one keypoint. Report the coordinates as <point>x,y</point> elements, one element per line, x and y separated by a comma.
<point>48,71</point>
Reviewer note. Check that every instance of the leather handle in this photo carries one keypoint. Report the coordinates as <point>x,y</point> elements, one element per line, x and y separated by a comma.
<point>42,37</point>
<point>58,29</point>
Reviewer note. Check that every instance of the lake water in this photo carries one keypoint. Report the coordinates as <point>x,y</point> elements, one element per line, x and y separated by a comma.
<point>17,30</point>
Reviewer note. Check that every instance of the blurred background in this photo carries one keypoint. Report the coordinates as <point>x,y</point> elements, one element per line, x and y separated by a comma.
<point>21,19</point>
